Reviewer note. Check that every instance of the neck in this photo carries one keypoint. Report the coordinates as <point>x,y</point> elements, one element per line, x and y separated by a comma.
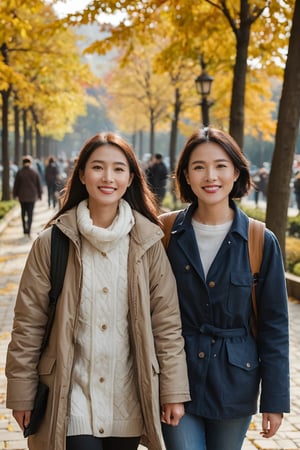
<point>213,215</point>
<point>103,217</point>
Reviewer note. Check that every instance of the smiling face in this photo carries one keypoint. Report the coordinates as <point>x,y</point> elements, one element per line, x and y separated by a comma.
<point>106,177</point>
<point>211,174</point>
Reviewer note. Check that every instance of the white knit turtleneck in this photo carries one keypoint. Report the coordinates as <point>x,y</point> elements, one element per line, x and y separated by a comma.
<point>104,400</point>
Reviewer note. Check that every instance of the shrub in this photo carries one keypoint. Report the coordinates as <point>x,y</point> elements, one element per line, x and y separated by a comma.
<point>294,226</point>
<point>292,252</point>
<point>255,213</point>
<point>6,206</point>
<point>296,269</point>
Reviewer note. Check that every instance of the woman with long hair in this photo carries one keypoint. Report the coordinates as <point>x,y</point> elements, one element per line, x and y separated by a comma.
<point>115,363</point>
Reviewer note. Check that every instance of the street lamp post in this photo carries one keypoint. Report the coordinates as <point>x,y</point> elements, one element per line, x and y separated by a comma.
<point>203,86</point>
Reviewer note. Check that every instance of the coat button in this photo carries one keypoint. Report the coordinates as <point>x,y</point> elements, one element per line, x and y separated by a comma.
<point>211,284</point>
<point>101,379</point>
<point>187,267</point>
<point>103,327</point>
<point>101,430</point>
<point>105,290</point>
<point>201,355</point>
<point>248,365</point>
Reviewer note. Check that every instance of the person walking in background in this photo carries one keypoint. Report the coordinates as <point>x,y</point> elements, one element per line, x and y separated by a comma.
<point>115,363</point>
<point>229,366</point>
<point>261,180</point>
<point>296,186</point>
<point>157,174</point>
<point>27,189</point>
<point>52,180</point>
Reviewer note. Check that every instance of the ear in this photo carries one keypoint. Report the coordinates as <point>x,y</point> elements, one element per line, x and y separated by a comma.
<point>81,176</point>
<point>237,174</point>
<point>130,179</point>
<point>186,176</point>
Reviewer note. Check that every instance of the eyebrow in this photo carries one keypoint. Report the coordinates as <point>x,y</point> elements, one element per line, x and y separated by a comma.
<point>199,161</point>
<point>103,162</point>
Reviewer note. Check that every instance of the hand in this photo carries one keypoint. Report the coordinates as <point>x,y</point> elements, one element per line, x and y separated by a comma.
<point>22,417</point>
<point>171,413</point>
<point>270,424</point>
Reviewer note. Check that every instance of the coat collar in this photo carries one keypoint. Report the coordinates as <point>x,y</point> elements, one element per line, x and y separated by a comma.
<point>239,225</point>
<point>144,232</point>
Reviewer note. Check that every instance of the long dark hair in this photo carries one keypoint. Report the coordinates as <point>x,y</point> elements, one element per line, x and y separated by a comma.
<point>229,145</point>
<point>138,194</point>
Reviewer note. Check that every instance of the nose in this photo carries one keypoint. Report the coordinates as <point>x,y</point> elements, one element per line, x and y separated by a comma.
<point>107,176</point>
<point>210,174</point>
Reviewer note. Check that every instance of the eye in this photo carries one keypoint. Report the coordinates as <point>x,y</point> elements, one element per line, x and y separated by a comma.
<point>198,167</point>
<point>120,169</point>
<point>221,165</point>
<point>97,167</point>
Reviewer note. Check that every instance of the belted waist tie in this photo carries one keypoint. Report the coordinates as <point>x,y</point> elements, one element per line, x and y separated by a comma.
<point>211,330</point>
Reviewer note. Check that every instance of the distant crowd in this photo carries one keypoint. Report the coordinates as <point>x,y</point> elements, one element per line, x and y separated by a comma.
<point>54,172</point>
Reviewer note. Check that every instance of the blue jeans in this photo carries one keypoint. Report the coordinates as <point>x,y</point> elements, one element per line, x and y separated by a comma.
<point>197,433</point>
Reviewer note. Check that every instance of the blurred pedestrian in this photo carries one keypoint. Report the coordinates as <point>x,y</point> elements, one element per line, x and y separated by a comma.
<point>261,180</point>
<point>157,174</point>
<point>27,189</point>
<point>296,185</point>
<point>52,180</point>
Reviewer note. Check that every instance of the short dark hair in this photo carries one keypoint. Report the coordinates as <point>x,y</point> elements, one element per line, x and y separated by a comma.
<point>229,145</point>
<point>27,159</point>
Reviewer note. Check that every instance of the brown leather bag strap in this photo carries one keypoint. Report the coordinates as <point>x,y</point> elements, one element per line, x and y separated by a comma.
<point>167,220</point>
<point>256,236</point>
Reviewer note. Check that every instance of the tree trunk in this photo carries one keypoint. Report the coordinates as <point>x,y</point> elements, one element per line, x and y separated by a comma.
<point>173,143</point>
<point>237,118</point>
<point>141,144</point>
<point>25,137</point>
<point>17,135</point>
<point>39,153</point>
<point>286,137</point>
<point>174,130</point>
<point>152,127</point>
<point>5,149</point>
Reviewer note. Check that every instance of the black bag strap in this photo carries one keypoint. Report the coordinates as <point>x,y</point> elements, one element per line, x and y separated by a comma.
<point>59,258</point>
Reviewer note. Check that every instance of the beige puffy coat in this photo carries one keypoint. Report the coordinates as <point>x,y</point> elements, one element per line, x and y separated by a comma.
<point>154,323</point>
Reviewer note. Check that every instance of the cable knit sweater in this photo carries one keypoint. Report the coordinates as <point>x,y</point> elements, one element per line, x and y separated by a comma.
<point>104,399</point>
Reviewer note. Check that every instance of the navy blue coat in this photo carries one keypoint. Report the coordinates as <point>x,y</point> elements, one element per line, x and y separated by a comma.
<point>227,366</point>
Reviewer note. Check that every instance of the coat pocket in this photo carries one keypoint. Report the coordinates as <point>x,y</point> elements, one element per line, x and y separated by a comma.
<point>242,377</point>
<point>242,355</point>
<point>239,293</point>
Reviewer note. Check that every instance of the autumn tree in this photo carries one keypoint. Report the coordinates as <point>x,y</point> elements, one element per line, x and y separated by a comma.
<point>203,26</point>
<point>41,65</point>
<point>286,136</point>
<point>139,92</point>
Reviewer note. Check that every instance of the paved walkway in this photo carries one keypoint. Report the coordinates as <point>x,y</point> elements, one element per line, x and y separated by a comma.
<point>13,251</point>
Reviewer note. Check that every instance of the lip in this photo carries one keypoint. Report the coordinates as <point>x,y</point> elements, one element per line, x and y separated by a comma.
<point>106,189</point>
<point>211,189</point>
